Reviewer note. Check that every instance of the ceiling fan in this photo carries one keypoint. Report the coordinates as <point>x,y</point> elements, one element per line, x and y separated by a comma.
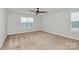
<point>37,11</point>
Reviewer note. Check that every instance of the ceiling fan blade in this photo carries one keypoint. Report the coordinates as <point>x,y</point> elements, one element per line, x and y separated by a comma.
<point>42,12</point>
<point>37,11</point>
<point>32,11</point>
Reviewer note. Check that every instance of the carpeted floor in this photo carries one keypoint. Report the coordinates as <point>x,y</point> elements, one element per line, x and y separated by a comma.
<point>39,41</point>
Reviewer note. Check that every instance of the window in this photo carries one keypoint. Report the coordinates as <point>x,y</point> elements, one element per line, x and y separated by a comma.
<point>75,21</point>
<point>27,22</point>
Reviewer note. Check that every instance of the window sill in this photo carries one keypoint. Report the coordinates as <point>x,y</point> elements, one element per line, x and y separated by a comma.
<point>75,30</point>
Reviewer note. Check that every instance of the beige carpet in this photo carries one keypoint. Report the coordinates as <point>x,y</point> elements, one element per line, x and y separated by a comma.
<point>39,41</point>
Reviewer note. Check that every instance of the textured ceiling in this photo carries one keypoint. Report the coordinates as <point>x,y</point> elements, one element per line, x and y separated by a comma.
<point>27,10</point>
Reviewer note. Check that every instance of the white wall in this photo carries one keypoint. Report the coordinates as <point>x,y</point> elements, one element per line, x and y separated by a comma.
<point>56,22</point>
<point>59,23</point>
<point>14,23</point>
<point>2,26</point>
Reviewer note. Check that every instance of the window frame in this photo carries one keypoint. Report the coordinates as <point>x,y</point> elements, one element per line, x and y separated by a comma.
<point>26,22</point>
<point>73,29</point>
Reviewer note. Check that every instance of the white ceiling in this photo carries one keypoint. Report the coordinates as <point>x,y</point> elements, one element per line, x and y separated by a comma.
<point>27,10</point>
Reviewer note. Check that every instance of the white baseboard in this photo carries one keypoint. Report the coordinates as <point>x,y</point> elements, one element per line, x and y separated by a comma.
<point>62,35</point>
<point>21,32</point>
<point>3,42</point>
